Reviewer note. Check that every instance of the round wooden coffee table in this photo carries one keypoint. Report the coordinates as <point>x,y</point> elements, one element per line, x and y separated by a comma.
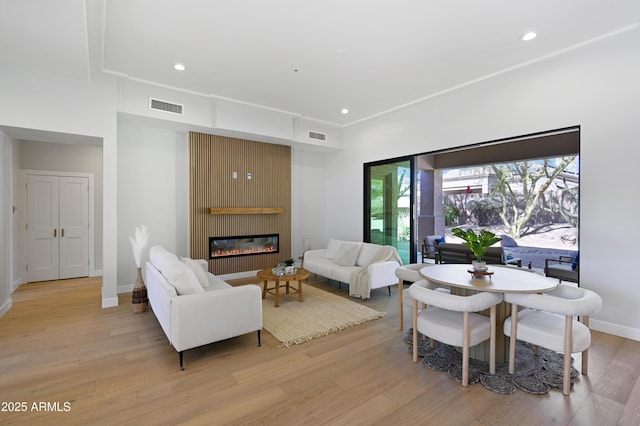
<point>266,275</point>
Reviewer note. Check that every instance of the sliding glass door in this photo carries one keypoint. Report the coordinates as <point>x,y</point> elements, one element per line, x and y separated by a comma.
<point>389,205</point>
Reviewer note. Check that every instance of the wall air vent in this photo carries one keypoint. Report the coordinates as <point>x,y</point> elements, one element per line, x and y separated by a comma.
<point>165,106</point>
<point>317,136</point>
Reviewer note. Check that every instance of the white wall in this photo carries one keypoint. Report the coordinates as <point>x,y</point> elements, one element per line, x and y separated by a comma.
<point>133,98</point>
<point>18,240</point>
<point>153,190</point>
<point>5,223</point>
<point>309,200</point>
<point>595,87</point>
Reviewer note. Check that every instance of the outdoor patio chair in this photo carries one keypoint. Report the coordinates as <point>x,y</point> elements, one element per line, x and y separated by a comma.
<point>564,268</point>
<point>429,247</point>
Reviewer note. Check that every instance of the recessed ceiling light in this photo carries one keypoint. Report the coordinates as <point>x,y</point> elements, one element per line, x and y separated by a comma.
<point>529,36</point>
<point>179,67</point>
<point>344,110</point>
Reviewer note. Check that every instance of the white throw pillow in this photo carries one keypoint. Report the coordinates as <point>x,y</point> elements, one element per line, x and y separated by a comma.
<point>159,257</point>
<point>182,278</point>
<point>198,270</point>
<point>332,249</point>
<point>347,254</point>
<point>367,253</point>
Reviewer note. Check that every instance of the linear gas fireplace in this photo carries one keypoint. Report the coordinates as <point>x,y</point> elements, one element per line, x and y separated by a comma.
<point>243,245</point>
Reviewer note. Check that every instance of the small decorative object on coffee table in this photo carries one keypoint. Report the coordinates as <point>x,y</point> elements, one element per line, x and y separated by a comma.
<point>277,276</point>
<point>477,273</point>
<point>139,298</point>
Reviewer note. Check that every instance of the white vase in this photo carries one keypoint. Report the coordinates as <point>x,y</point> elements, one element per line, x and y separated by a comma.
<point>479,265</point>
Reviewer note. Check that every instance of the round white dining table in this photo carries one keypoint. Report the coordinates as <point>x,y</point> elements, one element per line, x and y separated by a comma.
<point>505,279</point>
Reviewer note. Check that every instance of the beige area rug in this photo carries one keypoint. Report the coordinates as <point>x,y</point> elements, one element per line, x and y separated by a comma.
<point>320,314</point>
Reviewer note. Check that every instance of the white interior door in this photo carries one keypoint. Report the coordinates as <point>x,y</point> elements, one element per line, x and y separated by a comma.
<point>42,228</point>
<point>57,228</point>
<point>74,227</point>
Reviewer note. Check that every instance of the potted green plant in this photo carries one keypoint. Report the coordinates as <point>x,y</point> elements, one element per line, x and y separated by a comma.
<point>477,243</point>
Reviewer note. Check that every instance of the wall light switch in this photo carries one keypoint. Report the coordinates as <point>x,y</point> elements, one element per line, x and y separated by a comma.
<point>249,176</point>
<point>235,175</point>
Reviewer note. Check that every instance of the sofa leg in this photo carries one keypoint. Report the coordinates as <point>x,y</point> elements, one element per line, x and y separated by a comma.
<point>181,361</point>
<point>259,341</point>
<point>389,288</point>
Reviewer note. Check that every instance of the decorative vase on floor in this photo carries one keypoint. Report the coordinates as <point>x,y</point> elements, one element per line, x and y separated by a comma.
<point>139,298</point>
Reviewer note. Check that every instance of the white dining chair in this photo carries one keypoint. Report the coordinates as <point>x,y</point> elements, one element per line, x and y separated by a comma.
<point>453,320</point>
<point>548,321</point>
<point>410,274</point>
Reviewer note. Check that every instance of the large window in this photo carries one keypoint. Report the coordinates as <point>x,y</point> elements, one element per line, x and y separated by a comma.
<point>535,203</point>
<point>526,188</point>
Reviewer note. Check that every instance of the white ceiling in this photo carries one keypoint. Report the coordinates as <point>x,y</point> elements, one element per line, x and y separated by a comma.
<point>370,56</point>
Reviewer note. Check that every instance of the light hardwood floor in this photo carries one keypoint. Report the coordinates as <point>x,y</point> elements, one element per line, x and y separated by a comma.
<point>115,367</point>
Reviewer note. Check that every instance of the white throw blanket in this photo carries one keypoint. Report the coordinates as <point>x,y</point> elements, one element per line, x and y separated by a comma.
<point>359,285</point>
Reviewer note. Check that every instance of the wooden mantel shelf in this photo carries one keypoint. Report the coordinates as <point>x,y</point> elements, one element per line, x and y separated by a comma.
<point>246,210</point>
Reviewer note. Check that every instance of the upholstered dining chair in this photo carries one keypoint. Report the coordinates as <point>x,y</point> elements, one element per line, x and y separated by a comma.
<point>548,321</point>
<point>453,320</point>
<point>410,274</point>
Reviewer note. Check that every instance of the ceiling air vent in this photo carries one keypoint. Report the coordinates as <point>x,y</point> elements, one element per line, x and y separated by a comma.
<point>318,136</point>
<point>165,106</point>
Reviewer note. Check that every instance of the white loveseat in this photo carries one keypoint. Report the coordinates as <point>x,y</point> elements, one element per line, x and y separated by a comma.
<point>194,307</point>
<point>364,266</point>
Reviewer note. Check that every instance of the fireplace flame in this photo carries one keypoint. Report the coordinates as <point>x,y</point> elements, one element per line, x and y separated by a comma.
<point>236,251</point>
<point>243,245</point>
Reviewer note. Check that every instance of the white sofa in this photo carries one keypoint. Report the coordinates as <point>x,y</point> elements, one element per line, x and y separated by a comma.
<point>194,307</point>
<point>364,266</point>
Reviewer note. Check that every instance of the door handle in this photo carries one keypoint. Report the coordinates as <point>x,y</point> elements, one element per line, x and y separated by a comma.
<point>55,233</point>
<point>62,235</point>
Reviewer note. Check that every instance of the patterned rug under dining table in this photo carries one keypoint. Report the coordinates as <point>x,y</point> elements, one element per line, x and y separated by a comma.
<point>505,279</point>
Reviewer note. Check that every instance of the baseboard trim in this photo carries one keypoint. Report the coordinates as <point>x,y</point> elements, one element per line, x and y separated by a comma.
<point>16,284</point>
<point>6,306</point>
<point>615,329</point>
<point>96,273</point>
<point>109,302</point>
<point>128,288</point>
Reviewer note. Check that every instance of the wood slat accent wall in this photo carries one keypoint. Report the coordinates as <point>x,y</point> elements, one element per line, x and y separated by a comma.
<point>212,161</point>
